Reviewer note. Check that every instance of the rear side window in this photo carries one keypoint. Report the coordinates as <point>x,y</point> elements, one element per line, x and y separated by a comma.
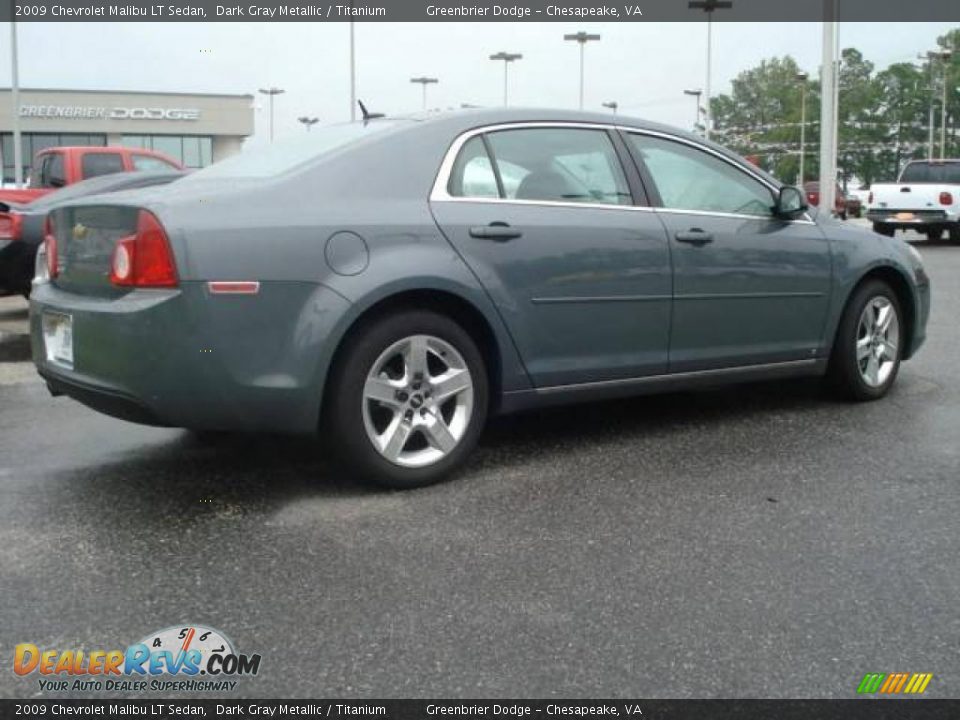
<point>571,165</point>
<point>50,172</point>
<point>146,162</point>
<point>95,164</point>
<point>473,174</point>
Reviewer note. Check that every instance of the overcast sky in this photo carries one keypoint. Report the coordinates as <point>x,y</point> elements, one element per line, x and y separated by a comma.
<point>644,67</point>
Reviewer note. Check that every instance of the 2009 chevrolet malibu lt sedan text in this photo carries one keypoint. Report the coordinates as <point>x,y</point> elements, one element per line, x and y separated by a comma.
<point>388,284</point>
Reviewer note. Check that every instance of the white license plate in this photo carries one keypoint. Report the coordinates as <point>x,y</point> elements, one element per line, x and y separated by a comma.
<point>58,338</point>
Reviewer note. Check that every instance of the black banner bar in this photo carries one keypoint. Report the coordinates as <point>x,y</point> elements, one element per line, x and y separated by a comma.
<point>856,709</point>
<point>474,11</point>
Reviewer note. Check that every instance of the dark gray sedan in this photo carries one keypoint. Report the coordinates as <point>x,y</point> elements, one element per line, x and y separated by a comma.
<point>391,283</point>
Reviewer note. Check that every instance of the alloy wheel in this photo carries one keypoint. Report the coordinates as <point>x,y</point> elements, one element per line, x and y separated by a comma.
<point>418,401</point>
<point>878,337</point>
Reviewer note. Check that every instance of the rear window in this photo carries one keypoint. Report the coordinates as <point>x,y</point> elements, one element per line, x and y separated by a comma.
<point>96,164</point>
<point>283,156</point>
<point>924,172</point>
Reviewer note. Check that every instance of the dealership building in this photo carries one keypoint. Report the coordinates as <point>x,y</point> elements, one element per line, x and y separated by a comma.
<point>195,129</point>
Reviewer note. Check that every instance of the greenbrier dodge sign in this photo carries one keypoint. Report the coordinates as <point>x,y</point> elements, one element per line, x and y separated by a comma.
<point>80,112</point>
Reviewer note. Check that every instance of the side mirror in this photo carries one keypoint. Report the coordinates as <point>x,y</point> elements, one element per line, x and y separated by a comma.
<point>791,203</point>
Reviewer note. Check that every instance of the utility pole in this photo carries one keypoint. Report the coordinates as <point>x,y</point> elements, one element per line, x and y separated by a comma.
<point>507,59</point>
<point>582,38</point>
<point>271,92</point>
<point>708,6</point>
<point>828,116</point>
<point>308,122</point>
<point>15,97</point>
<point>423,82</point>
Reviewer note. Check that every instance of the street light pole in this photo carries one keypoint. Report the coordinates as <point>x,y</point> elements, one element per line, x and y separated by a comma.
<point>708,6</point>
<point>353,76</point>
<point>612,106</point>
<point>271,92</point>
<point>308,121</point>
<point>15,97</point>
<point>582,38</point>
<point>507,59</point>
<point>802,77</point>
<point>696,95</point>
<point>424,81</point>
<point>945,57</point>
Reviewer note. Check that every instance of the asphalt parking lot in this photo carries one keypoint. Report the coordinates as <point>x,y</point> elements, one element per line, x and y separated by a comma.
<point>756,541</point>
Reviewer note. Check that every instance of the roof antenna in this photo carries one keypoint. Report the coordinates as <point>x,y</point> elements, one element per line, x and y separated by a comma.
<point>367,115</point>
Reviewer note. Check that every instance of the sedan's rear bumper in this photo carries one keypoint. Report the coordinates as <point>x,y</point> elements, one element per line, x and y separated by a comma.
<point>184,358</point>
<point>105,399</point>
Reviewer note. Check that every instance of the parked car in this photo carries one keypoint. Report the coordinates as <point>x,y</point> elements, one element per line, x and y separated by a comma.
<point>854,207</point>
<point>925,198</point>
<point>379,284</point>
<point>21,226</point>
<point>812,191</point>
<point>57,167</point>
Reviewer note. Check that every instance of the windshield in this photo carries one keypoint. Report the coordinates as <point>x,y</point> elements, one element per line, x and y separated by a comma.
<point>926,172</point>
<point>282,156</point>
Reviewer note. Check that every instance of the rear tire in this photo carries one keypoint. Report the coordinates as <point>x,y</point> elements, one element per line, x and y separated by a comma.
<point>883,229</point>
<point>408,399</point>
<point>868,345</point>
<point>955,234</point>
<point>934,234</point>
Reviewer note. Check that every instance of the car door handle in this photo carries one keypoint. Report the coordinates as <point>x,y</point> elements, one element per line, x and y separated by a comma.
<point>694,236</point>
<point>500,232</point>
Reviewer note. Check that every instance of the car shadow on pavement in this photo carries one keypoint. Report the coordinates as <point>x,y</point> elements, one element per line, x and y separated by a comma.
<point>197,475</point>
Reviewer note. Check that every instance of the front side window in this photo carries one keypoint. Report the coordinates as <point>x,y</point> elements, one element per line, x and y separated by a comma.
<point>96,164</point>
<point>691,179</point>
<point>572,165</point>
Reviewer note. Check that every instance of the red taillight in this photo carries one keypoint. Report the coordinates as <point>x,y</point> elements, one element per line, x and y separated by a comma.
<point>945,199</point>
<point>144,259</point>
<point>10,226</point>
<point>50,247</point>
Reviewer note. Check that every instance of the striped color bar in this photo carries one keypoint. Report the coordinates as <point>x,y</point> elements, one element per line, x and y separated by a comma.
<point>894,683</point>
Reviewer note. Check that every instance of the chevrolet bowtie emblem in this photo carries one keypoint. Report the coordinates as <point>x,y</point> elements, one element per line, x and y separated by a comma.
<point>79,231</point>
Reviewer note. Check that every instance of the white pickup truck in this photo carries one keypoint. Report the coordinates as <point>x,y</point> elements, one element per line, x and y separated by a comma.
<point>926,198</point>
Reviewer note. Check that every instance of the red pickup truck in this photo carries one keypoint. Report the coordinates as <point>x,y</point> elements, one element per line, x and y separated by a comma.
<point>60,166</point>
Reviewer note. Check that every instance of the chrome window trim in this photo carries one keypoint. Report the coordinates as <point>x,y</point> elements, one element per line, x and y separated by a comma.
<point>439,192</point>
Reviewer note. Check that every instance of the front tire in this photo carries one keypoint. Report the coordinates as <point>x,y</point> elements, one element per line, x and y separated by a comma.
<point>867,350</point>
<point>408,399</point>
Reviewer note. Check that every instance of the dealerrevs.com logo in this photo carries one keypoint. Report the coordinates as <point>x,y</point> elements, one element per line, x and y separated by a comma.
<point>185,658</point>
